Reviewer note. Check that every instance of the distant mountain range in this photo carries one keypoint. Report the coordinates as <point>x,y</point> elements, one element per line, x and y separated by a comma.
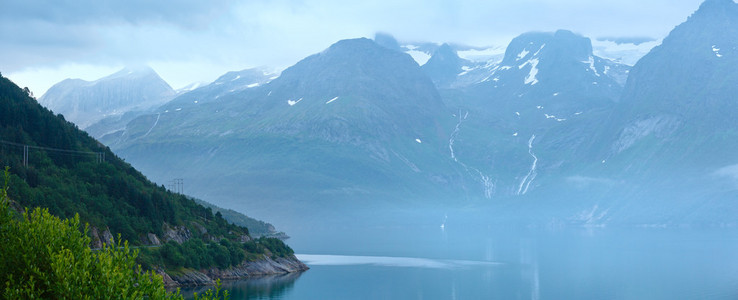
<point>543,130</point>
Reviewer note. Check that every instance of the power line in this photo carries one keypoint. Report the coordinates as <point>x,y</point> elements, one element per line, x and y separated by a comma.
<point>100,156</point>
<point>176,185</point>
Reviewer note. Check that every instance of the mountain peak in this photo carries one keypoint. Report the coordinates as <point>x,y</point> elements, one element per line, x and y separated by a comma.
<point>387,40</point>
<point>712,4</point>
<point>135,69</point>
<point>443,66</point>
<point>85,102</point>
<point>560,43</point>
<point>716,10</point>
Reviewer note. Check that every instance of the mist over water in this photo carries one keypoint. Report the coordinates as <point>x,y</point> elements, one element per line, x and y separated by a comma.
<point>471,259</point>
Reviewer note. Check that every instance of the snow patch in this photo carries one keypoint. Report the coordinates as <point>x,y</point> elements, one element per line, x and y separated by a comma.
<point>237,77</point>
<point>716,50</point>
<point>178,109</point>
<point>591,63</point>
<point>329,101</point>
<point>556,94</point>
<point>292,102</point>
<point>253,85</point>
<point>419,141</point>
<point>554,117</point>
<point>488,54</point>
<point>539,107</point>
<point>517,113</point>
<point>531,78</point>
<point>523,54</point>
<point>419,56</point>
<point>539,50</point>
<point>195,101</point>
<point>515,134</point>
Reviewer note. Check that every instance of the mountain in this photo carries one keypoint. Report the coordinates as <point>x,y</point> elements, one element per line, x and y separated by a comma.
<point>109,129</point>
<point>444,66</point>
<point>55,165</point>
<point>86,102</point>
<point>671,135</point>
<point>530,118</point>
<point>355,123</point>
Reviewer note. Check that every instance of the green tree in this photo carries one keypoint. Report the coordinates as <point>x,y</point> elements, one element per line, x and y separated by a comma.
<point>43,256</point>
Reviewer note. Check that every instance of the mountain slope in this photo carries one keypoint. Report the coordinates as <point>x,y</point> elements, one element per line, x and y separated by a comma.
<point>672,134</point>
<point>57,166</point>
<point>69,172</point>
<point>86,102</point>
<point>356,122</point>
<point>530,117</point>
<point>111,130</point>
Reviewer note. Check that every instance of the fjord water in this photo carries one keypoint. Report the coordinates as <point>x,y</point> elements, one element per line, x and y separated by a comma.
<point>502,263</point>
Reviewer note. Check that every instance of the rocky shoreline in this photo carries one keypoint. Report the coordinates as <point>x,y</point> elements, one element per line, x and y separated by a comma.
<point>265,266</point>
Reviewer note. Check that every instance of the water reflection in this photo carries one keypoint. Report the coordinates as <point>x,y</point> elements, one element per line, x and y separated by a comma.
<point>463,263</point>
<point>264,287</point>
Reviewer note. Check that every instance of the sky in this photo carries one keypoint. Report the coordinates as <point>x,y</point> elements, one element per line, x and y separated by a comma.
<point>186,41</point>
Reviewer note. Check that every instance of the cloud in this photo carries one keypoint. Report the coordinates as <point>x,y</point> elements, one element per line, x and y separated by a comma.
<point>225,35</point>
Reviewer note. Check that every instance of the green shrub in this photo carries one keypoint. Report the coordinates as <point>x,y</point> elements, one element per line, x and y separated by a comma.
<point>45,257</point>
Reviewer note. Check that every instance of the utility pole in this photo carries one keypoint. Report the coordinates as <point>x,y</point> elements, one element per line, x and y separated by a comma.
<point>177,185</point>
<point>25,155</point>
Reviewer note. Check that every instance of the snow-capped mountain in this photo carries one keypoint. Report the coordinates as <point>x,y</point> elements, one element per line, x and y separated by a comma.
<point>356,122</point>
<point>110,130</point>
<point>86,102</point>
<point>455,66</point>
<point>527,119</point>
<point>549,130</point>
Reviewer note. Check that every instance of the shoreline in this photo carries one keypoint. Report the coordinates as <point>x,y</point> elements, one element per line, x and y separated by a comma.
<point>249,269</point>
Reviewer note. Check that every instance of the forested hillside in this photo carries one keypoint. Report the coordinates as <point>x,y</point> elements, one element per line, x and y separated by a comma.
<point>57,166</point>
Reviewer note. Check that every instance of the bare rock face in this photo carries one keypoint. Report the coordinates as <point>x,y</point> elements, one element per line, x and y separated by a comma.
<point>265,266</point>
<point>153,239</point>
<point>101,238</point>
<point>245,238</point>
<point>179,234</point>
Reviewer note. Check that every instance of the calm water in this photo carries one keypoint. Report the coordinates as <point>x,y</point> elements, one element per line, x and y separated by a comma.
<point>487,263</point>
